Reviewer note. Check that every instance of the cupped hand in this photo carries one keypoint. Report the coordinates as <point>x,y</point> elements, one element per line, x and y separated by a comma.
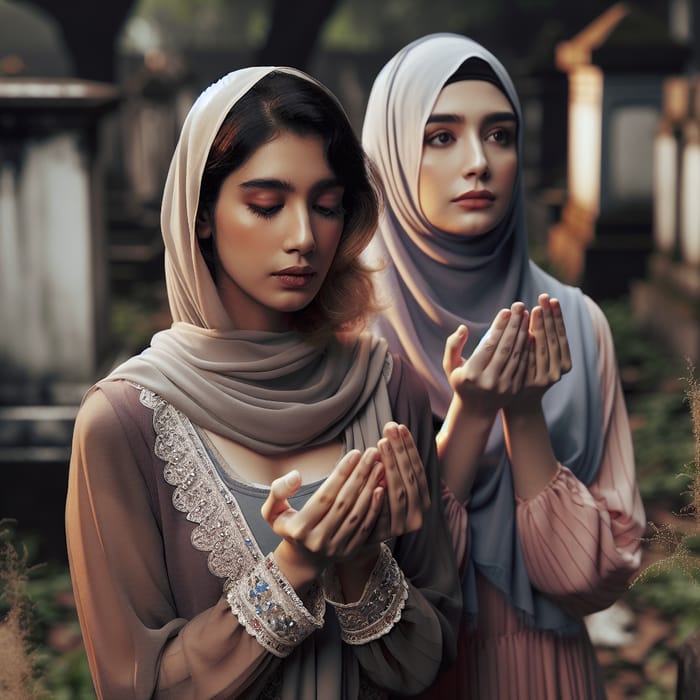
<point>407,494</point>
<point>338,518</point>
<point>549,355</point>
<point>496,369</point>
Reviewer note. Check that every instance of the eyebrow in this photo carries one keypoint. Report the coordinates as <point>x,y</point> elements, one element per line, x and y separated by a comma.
<point>284,186</point>
<point>493,118</point>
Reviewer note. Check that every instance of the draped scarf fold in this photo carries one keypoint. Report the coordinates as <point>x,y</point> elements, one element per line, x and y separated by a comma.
<point>432,281</point>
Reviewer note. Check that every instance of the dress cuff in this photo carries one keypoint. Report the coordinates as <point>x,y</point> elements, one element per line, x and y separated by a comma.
<point>380,606</point>
<point>269,608</point>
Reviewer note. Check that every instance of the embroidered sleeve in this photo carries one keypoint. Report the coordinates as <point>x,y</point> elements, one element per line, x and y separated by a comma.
<point>380,606</point>
<point>268,607</point>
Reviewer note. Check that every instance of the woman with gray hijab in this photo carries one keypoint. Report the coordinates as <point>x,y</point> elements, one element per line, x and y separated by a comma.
<point>543,505</point>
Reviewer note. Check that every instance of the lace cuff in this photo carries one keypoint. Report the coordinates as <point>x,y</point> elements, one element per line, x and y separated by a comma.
<point>380,606</point>
<point>269,608</point>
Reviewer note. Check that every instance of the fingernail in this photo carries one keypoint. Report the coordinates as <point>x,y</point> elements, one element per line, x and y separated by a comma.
<point>292,479</point>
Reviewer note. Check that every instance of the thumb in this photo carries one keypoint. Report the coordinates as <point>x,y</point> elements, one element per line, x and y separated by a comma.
<point>280,490</point>
<point>452,357</point>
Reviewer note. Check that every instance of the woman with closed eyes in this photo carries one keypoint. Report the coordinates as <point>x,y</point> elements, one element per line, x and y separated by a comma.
<point>253,506</point>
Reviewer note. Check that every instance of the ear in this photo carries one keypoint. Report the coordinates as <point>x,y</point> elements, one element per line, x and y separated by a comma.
<point>202,224</point>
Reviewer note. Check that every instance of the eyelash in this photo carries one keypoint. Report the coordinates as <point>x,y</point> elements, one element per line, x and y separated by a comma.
<point>508,136</point>
<point>433,139</point>
<point>269,212</point>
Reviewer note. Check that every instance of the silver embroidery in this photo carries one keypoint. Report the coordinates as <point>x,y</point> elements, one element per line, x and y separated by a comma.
<point>261,601</point>
<point>222,530</point>
<point>380,606</point>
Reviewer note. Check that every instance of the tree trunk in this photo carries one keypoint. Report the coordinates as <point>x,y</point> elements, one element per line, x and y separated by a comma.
<point>90,30</point>
<point>688,685</point>
<point>294,31</point>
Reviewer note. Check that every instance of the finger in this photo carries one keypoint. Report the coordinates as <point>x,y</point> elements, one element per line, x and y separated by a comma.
<point>368,529</point>
<point>485,365</point>
<point>521,372</point>
<point>551,336</point>
<point>541,351</point>
<point>323,499</point>
<point>517,359</point>
<point>506,342</point>
<point>361,518</point>
<point>565,352</point>
<point>394,448</point>
<point>396,490</point>
<point>452,356</point>
<point>280,490</point>
<point>415,463</point>
<point>352,491</point>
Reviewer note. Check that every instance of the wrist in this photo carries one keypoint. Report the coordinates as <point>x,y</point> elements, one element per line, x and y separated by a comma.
<point>365,559</point>
<point>300,568</point>
<point>354,573</point>
<point>523,408</point>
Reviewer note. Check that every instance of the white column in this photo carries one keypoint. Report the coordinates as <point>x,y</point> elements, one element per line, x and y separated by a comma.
<point>51,284</point>
<point>690,201</point>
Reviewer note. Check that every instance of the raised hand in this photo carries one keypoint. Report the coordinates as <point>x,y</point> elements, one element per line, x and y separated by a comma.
<point>496,369</point>
<point>407,494</point>
<point>549,356</point>
<point>338,518</point>
<point>368,498</point>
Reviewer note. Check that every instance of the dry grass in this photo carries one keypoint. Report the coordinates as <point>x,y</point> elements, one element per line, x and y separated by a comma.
<point>677,542</point>
<point>16,659</point>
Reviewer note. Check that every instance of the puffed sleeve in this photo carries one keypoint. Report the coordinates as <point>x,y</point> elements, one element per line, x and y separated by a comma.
<point>137,644</point>
<point>581,545</point>
<point>411,647</point>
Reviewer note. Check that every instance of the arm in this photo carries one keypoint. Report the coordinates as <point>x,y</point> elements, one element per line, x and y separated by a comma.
<point>411,650</point>
<point>525,429</point>
<point>581,544</point>
<point>482,385</point>
<point>137,644</point>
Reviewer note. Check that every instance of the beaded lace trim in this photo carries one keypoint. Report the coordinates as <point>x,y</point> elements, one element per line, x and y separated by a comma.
<point>380,606</point>
<point>261,601</point>
<point>222,531</point>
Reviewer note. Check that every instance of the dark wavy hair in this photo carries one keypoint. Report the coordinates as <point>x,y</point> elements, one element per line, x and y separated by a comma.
<point>282,102</point>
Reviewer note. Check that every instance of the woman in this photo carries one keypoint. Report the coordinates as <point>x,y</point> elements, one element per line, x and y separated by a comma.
<point>546,516</point>
<point>247,513</point>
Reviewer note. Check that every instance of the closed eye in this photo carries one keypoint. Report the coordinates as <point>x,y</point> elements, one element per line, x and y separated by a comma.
<point>264,212</point>
<point>330,212</point>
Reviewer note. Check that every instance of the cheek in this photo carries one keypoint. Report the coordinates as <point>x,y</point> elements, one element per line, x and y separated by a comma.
<point>329,240</point>
<point>509,170</point>
<point>429,185</point>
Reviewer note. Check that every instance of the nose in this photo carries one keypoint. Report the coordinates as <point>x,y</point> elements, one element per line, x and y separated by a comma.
<point>475,161</point>
<point>300,237</point>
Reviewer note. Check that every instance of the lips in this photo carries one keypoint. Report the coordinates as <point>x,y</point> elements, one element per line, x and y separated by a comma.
<point>475,199</point>
<point>295,277</point>
<point>475,194</point>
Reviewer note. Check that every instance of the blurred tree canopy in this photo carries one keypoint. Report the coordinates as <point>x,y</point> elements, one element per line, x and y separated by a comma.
<point>285,32</point>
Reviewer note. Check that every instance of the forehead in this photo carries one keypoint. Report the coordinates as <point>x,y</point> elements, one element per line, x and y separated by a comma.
<point>471,97</point>
<point>288,156</point>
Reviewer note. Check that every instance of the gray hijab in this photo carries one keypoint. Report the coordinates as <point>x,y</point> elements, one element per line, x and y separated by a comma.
<point>433,281</point>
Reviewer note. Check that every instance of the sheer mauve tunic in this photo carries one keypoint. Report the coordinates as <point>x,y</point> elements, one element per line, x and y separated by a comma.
<point>155,618</point>
<point>581,545</point>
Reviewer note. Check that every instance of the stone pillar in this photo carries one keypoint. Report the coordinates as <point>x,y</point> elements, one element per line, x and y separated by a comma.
<point>615,92</point>
<point>668,301</point>
<point>53,262</point>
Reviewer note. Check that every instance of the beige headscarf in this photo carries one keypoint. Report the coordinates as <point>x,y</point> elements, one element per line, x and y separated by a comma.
<point>272,392</point>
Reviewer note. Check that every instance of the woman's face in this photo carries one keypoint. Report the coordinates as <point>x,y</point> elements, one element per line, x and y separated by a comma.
<point>470,159</point>
<point>277,224</point>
